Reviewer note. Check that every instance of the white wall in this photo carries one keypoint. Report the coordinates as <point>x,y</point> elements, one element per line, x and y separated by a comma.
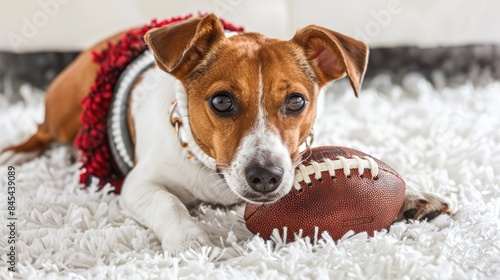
<point>76,24</point>
<point>407,22</point>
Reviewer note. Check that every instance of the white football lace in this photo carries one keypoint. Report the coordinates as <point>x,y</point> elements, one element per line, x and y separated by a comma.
<point>346,164</point>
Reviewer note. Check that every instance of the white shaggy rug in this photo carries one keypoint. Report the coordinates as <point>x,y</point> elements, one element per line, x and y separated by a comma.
<point>443,137</point>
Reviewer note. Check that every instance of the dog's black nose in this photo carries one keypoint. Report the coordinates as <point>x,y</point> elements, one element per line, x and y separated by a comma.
<point>264,179</point>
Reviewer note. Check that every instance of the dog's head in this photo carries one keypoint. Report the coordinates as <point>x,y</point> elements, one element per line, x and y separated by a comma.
<point>252,99</point>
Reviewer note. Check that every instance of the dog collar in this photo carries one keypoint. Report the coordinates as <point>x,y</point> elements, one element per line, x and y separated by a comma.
<point>120,140</point>
<point>180,122</point>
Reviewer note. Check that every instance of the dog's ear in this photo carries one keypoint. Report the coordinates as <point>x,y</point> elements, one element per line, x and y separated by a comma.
<point>178,47</point>
<point>333,55</point>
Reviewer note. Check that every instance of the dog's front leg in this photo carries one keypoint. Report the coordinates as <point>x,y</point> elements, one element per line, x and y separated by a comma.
<point>150,203</point>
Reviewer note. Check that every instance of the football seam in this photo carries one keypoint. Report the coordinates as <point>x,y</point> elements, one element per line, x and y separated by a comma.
<point>315,168</point>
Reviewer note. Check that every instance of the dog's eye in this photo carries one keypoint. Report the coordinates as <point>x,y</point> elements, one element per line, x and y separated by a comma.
<point>222,102</point>
<point>295,103</point>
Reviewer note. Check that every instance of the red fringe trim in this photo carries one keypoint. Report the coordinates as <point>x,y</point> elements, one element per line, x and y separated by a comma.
<point>92,140</point>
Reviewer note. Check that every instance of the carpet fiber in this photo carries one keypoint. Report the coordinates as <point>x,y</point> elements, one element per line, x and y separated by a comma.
<point>441,137</point>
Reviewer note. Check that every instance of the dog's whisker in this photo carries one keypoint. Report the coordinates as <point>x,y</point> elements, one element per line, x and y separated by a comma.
<point>219,183</point>
<point>223,195</point>
<point>204,167</point>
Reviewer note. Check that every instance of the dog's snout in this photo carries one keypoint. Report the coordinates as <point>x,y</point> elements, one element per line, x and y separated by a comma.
<point>264,179</point>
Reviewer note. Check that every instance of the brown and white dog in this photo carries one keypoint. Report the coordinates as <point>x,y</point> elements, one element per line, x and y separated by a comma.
<point>251,102</point>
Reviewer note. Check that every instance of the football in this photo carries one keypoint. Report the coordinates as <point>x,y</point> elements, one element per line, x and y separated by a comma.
<point>336,189</point>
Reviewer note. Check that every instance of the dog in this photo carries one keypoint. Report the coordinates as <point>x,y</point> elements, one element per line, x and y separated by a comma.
<point>250,102</point>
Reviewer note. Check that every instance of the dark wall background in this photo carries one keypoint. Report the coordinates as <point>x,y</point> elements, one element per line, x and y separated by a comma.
<point>37,68</point>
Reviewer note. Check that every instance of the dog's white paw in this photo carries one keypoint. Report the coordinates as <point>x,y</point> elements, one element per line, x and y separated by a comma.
<point>192,237</point>
<point>424,206</point>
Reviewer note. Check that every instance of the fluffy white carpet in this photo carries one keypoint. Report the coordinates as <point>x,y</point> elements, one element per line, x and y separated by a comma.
<point>443,137</point>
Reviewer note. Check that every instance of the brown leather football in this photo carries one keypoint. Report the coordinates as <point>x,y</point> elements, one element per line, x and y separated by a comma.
<point>336,189</point>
